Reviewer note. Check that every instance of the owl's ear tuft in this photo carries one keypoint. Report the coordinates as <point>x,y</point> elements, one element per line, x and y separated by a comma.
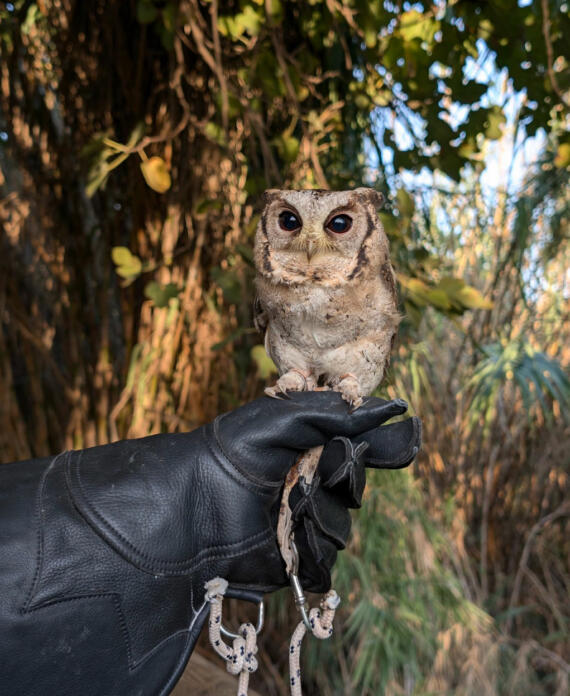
<point>370,195</point>
<point>270,195</point>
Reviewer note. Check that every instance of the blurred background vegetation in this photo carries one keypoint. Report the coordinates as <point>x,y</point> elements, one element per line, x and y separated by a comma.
<point>135,139</point>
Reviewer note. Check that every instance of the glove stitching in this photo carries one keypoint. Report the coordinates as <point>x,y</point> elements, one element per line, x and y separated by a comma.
<point>187,565</point>
<point>262,483</point>
<point>113,596</point>
<point>308,508</point>
<point>340,475</point>
<point>321,568</point>
<point>314,514</point>
<point>39,534</point>
<point>116,599</point>
<point>185,653</point>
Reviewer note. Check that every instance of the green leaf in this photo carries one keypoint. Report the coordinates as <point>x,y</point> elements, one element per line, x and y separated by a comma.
<point>418,291</point>
<point>469,150</point>
<point>161,294</point>
<point>288,148</point>
<point>265,366</point>
<point>31,18</point>
<point>234,336</point>
<point>391,225</point>
<point>206,205</point>
<point>451,285</point>
<point>230,284</point>
<point>146,11</point>
<point>274,9</point>
<point>415,25</point>
<point>96,179</point>
<point>405,202</point>
<point>246,252</point>
<point>493,125</point>
<point>438,298</point>
<point>246,22</point>
<point>215,133</point>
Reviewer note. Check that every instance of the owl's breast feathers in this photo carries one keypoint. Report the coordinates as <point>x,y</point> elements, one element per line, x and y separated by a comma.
<point>313,318</point>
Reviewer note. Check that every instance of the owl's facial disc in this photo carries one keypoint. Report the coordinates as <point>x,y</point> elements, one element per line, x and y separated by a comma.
<point>319,236</point>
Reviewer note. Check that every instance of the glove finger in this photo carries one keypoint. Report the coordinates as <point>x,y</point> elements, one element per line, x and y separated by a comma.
<point>317,555</point>
<point>261,438</point>
<point>342,471</point>
<point>323,508</point>
<point>324,419</point>
<point>392,446</point>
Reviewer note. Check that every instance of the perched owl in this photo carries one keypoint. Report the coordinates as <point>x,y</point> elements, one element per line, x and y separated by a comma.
<point>326,293</point>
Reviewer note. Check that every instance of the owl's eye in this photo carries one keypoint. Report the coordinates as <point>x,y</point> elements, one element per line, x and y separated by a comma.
<point>289,221</point>
<point>339,224</point>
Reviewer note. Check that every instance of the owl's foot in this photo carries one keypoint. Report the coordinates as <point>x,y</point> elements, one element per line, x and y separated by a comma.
<point>294,380</point>
<point>349,388</point>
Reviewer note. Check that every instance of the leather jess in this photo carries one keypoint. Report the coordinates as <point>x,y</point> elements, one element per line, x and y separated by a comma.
<point>104,552</point>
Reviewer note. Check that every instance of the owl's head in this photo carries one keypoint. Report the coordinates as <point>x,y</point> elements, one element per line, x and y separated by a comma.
<point>319,235</point>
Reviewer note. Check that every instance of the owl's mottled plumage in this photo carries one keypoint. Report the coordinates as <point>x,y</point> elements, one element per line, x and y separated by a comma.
<point>326,297</point>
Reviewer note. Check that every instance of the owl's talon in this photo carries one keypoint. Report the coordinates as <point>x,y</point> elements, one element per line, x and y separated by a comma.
<point>350,390</point>
<point>291,381</point>
<point>354,405</point>
<point>276,394</point>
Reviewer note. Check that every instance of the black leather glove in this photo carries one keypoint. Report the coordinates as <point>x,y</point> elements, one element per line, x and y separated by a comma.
<point>104,552</point>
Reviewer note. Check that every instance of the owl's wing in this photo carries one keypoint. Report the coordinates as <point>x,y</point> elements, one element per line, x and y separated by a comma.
<point>260,318</point>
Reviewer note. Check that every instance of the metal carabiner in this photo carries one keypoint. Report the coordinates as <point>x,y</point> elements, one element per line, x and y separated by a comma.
<point>260,620</point>
<point>298,595</point>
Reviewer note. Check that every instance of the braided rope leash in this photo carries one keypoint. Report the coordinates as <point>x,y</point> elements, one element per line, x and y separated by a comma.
<point>320,622</point>
<point>240,657</point>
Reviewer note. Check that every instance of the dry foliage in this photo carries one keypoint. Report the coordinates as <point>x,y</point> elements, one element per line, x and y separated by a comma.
<point>135,155</point>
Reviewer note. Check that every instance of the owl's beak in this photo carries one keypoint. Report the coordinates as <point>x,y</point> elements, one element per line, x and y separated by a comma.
<point>312,248</point>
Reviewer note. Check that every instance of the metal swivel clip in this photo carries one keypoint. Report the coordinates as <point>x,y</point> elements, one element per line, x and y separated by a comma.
<point>300,599</point>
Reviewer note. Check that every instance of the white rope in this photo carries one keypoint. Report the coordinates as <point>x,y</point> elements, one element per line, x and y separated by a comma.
<point>321,620</point>
<point>240,657</point>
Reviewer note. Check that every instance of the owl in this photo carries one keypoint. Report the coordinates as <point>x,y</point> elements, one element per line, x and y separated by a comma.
<point>326,292</point>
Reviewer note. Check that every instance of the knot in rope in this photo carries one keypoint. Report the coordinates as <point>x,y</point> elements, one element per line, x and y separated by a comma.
<point>240,657</point>
<point>243,651</point>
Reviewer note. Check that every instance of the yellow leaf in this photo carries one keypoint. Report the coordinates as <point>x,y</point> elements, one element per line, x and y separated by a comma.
<point>121,255</point>
<point>562,159</point>
<point>128,264</point>
<point>472,298</point>
<point>437,462</point>
<point>156,174</point>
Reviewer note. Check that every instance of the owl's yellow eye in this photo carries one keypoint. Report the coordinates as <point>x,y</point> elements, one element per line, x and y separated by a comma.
<point>289,221</point>
<point>339,224</point>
